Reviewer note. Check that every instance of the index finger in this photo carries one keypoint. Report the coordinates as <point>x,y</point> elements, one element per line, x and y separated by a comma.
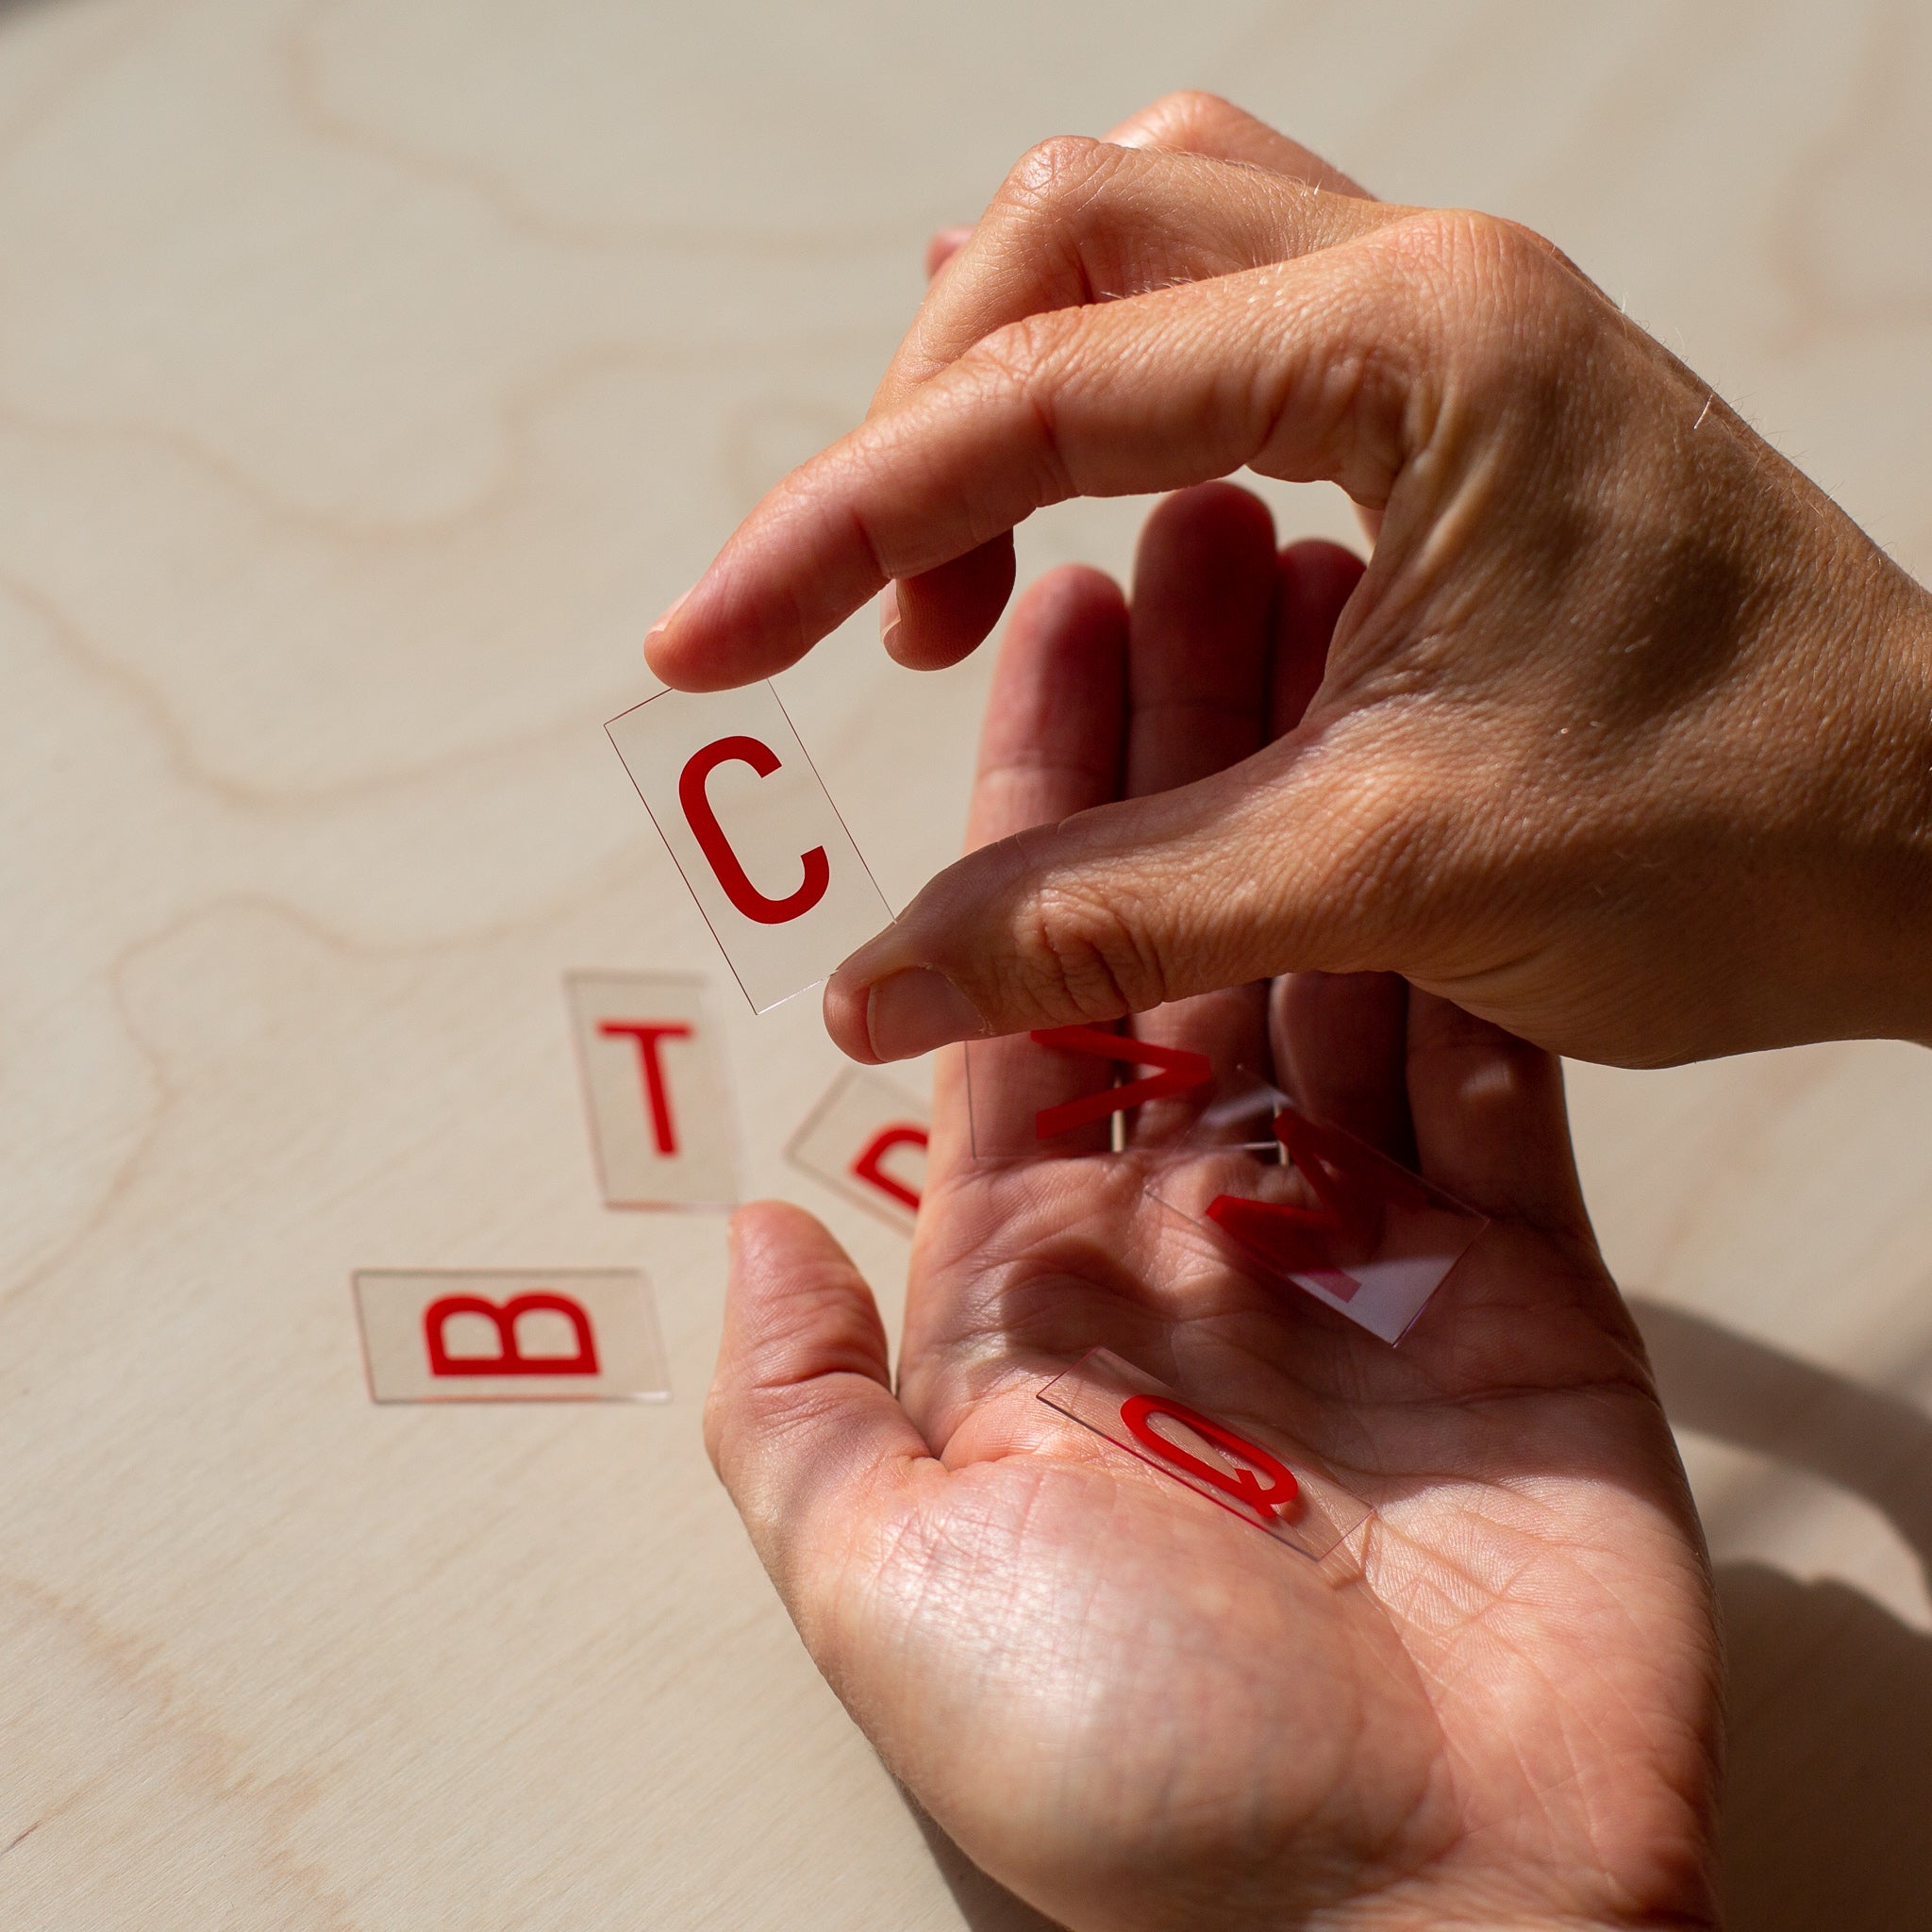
<point>1195,124</point>
<point>1300,367</point>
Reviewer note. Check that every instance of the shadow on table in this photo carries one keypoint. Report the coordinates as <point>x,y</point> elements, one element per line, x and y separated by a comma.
<point>985,1904</point>
<point>1830,1789</point>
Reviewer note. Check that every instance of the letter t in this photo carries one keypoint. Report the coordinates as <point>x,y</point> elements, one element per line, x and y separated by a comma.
<point>647,1033</point>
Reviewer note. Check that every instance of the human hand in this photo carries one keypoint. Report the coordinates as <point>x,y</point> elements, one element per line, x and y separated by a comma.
<point>1624,740</point>
<point>1126,1705</point>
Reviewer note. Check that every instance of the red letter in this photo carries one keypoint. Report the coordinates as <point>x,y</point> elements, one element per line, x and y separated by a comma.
<point>1185,1069</point>
<point>510,1360</point>
<point>647,1033</point>
<point>717,847</point>
<point>868,1169</point>
<point>1355,1188</point>
<point>1353,1194</point>
<point>1297,1240</point>
<point>1243,1483</point>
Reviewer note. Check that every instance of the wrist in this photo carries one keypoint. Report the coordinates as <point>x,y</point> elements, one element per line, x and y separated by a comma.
<point>1869,961</point>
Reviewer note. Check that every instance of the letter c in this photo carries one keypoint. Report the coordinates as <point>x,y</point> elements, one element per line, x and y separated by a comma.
<point>717,847</point>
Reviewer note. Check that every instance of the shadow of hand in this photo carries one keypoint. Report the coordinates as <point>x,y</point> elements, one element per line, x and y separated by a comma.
<point>1830,1703</point>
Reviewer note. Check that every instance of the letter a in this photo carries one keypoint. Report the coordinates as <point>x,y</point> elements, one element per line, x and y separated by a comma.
<point>1182,1071</point>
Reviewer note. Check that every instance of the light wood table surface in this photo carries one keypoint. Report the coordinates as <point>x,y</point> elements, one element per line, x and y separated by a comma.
<point>370,372</point>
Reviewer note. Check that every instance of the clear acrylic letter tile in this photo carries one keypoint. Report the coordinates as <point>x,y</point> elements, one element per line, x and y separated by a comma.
<point>866,1140</point>
<point>760,844</point>
<point>1252,1472</point>
<point>1327,1213</point>
<point>571,1335</point>
<point>1074,1089</point>
<point>653,1083</point>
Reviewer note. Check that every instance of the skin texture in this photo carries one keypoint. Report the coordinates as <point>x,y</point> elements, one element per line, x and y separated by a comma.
<point>1128,1706</point>
<point>1624,737</point>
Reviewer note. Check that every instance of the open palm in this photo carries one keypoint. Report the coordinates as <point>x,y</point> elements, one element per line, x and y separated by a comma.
<point>1129,1706</point>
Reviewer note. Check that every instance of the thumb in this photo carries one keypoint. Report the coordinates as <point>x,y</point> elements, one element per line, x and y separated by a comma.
<point>1282,862</point>
<point>801,1422</point>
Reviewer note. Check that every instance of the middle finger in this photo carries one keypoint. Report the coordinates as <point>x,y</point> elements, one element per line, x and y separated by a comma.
<point>1050,746</point>
<point>1200,660</point>
<point>1079,222</point>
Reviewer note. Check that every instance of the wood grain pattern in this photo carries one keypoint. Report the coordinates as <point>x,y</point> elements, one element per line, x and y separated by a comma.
<point>370,372</point>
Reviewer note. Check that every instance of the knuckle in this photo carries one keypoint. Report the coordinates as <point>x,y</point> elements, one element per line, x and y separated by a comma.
<point>1542,303</point>
<point>1062,220</point>
<point>1190,111</point>
<point>1020,354</point>
<point>1473,260</point>
<point>1380,846</point>
<point>1508,249</point>
<point>1088,952</point>
<point>1026,366</point>
<point>1054,175</point>
<point>1051,165</point>
<point>1358,869</point>
<point>1497,302</point>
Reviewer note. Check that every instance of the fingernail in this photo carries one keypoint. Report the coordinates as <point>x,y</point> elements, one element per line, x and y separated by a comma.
<point>889,617</point>
<point>912,1012</point>
<point>663,622</point>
